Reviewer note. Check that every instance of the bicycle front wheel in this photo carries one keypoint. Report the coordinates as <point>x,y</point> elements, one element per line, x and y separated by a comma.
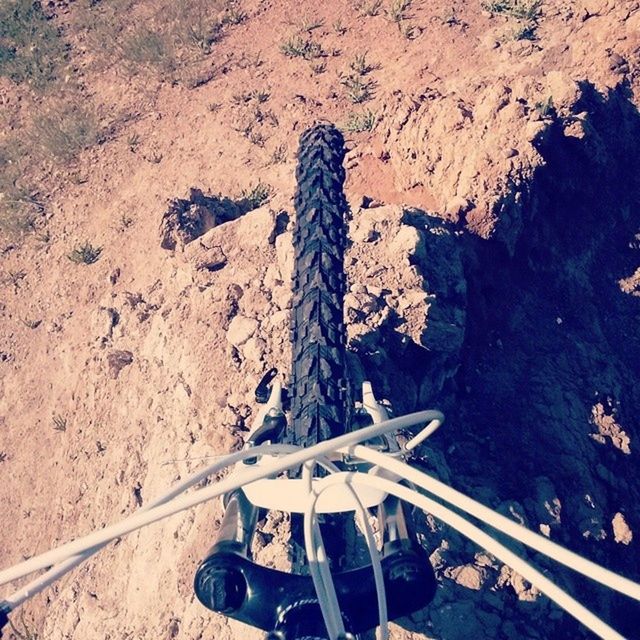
<point>319,408</point>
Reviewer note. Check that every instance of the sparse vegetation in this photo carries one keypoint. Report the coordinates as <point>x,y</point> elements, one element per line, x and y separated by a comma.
<point>85,253</point>
<point>170,43</point>
<point>63,130</point>
<point>451,20</point>
<point>133,142</point>
<point>527,13</point>
<point>3,456</point>
<point>369,8</point>
<point>524,32</point>
<point>44,236</point>
<point>19,204</point>
<point>309,24</point>
<point>245,61</point>
<point>31,324</point>
<point>256,137</point>
<point>15,278</point>
<point>518,9</point>
<point>397,11</point>
<point>146,48</point>
<point>359,64</point>
<point>318,67</point>
<point>256,95</point>
<point>545,108</point>
<point>59,422</point>
<point>154,156</point>
<point>358,88</point>
<point>339,28</point>
<point>299,47</point>
<point>32,50</point>
<point>125,222</point>
<point>279,154</point>
<point>233,13</point>
<point>255,196</point>
<point>360,122</point>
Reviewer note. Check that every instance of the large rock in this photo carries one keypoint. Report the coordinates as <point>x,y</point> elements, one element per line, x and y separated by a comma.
<point>241,329</point>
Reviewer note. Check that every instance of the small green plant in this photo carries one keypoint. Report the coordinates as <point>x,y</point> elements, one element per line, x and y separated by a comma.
<point>360,122</point>
<point>527,13</point>
<point>247,96</point>
<point>318,67</point>
<point>214,107</point>
<point>3,456</point>
<point>370,8</point>
<point>397,12</point>
<point>246,62</point>
<point>309,24</point>
<point>339,28</point>
<point>255,196</point>
<point>31,324</point>
<point>518,9</point>
<point>260,96</point>
<point>451,19</point>
<point>15,278</point>
<point>133,142</point>
<point>19,206</point>
<point>59,423</point>
<point>357,88</point>
<point>240,98</point>
<point>299,47</point>
<point>279,154</point>
<point>44,236</point>
<point>545,108</point>
<point>125,222</point>
<point>233,13</point>
<point>525,31</point>
<point>154,156</point>
<point>85,253</point>
<point>359,64</point>
<point>257,138</point>
<point>195,25</point>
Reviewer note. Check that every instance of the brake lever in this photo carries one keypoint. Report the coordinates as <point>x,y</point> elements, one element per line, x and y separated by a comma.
<point>262,390</point>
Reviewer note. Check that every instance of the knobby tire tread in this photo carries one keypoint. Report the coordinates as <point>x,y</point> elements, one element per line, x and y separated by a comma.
<point>318,402</point>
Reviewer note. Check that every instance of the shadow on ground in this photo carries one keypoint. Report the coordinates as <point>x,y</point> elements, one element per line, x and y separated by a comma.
<point>551,351</point>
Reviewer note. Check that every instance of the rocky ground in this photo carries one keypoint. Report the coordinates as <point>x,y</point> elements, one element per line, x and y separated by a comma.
<point>494,272</point>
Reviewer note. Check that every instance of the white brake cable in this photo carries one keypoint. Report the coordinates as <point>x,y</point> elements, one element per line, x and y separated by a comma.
<point>325,587</point>
<point>505,525</point>
<point>317,560</point>
<point>485,541</point>
<point>421,436</point>
<point>344,443</point>
<point>56,572</point>
<point>235,481</point>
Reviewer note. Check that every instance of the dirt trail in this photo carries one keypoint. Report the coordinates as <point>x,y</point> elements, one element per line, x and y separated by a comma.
<point>493,269</point>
